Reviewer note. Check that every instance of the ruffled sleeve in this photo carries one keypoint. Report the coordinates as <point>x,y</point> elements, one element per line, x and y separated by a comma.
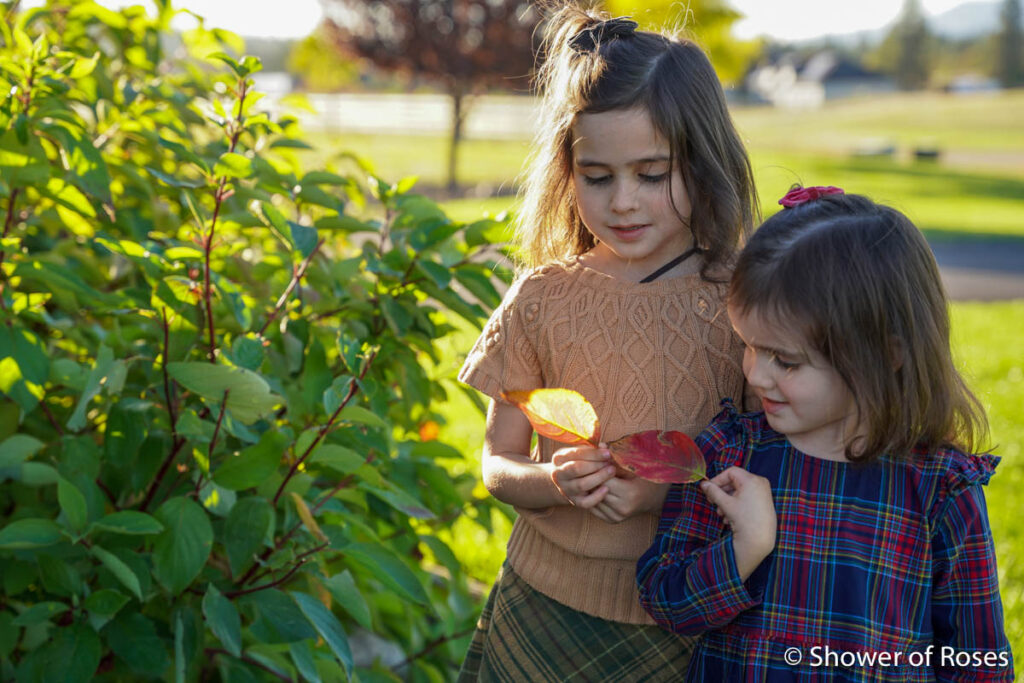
<point>504,357</point>
<point>688,578</point>
<point>967,612</point>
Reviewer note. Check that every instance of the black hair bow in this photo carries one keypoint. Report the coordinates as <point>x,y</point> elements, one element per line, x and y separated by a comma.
<point>590,37</point>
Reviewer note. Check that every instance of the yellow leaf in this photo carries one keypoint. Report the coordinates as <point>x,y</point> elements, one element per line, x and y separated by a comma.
<point>307,518</point>
<point>562,415</point>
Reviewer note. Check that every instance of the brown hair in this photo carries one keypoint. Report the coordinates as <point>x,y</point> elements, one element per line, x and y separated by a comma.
<point>859,281</point>
<point>587,69</point>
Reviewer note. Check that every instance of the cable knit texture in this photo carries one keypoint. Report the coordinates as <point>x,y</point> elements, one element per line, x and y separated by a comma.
<point>659,355</point>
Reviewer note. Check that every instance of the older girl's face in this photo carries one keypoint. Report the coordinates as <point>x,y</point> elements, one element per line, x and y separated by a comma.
<point>628,193</point>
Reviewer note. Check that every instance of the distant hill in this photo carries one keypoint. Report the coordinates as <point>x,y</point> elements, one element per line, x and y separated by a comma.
<point>970,20</point>
<point>963,22</point>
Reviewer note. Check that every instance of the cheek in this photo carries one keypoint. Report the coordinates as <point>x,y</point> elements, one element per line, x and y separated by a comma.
<point>748,362</point>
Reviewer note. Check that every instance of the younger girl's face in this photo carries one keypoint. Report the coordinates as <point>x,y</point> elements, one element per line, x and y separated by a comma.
<point>625,186</point>
<point>802,395</point>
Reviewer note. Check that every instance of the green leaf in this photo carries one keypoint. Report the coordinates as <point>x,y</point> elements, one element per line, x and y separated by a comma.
<point>488,231</point>
<point>279,619</point>
<point>438,274</point>
<point>73,655</point>
<point>174,181</point>
<point>233,165</point>
<point>134,639</point>
<point>304,239</point>
<point>346,224</point>
<point>302,657</point>
<point>249,398</point>
<point>247,352</point>
<point>25,534</point>
<point>37,474</point>
<point>475,279</point>
<point>253,465</point>
<point>340,459</point>
<point>25,367</point>
<point>40,612</point>
<point>386,567</point>
<point>327,625</point>
<point>9,634</point>
<point>72,504</point>
<point>246,529</point>
<point>103,605</point>
<point>181,550</point>
<point>100,369</point>
<point>335,394</point>
<point>343,589</point>
<point>401,501</point>
<point>223,619</point>
<point>361,415</point>
<point>129,522</point>
<point>17,449</point>
<point>121,571</point>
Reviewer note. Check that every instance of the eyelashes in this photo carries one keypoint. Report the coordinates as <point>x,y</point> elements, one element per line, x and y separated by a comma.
<point>645,178</point>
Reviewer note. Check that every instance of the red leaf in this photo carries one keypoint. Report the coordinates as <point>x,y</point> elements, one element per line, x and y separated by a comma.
<point>663,457</point>
<point>562,415</point>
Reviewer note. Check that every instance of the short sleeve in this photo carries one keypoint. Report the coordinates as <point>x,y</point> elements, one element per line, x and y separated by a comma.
<point>504,357</point>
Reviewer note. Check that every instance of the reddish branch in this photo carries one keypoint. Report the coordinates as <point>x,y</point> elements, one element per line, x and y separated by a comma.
<point>219,198</point>
<point>177,442</point>
<point>265,555</point>
<point>297,275</point>
<point>353,386</point>
<point>220,419</point>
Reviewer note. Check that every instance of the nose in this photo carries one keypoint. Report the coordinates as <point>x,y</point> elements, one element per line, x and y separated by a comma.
<point>624,197</point>
<point>755,367</point>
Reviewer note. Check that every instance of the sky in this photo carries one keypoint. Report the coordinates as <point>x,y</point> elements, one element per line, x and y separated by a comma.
<point>781,19</point>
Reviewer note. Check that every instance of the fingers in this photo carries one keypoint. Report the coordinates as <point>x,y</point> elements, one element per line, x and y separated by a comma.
<point>580,453</point>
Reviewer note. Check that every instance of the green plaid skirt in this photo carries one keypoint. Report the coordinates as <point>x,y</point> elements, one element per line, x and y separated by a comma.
<point>525,636</point>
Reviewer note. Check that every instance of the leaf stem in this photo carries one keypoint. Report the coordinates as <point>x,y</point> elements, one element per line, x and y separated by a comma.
<point>161,473</point>
<point>296,276</point>
<point>273,584</point>
<point>353,386</point>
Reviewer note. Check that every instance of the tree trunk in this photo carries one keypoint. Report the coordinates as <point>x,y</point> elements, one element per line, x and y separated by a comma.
<point>457,95</point>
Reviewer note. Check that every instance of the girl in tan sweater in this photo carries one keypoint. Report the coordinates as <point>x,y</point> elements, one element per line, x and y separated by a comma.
<point>638,196</point>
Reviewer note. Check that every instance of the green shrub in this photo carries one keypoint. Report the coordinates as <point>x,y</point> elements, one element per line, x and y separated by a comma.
<point>216,458</point>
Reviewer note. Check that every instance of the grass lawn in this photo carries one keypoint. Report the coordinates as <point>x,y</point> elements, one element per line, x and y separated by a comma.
<point>977,187</point>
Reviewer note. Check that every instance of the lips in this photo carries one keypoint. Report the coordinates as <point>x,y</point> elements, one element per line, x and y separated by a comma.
<point>772,407</point>
<point>628,232</point>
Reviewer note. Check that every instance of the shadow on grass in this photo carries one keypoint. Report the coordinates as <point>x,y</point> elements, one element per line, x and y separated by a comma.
<point>940,181</point>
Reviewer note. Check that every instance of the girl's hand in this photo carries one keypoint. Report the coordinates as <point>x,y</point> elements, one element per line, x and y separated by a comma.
<point>744,500</point>
<point>629,496</point>
<point>580,473</point>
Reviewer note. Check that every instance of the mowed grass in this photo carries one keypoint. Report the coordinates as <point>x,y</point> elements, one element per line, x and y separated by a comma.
<point>976,187</point>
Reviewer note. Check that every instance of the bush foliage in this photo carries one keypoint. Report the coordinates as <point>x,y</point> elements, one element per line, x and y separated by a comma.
<point>217,448</point>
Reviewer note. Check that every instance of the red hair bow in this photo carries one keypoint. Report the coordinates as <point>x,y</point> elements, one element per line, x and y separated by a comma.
<point>802,195</point>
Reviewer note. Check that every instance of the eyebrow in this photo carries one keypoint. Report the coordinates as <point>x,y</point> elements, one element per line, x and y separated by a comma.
<point>646,160</point>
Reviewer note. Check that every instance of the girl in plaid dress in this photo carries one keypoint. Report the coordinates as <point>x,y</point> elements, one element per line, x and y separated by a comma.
<point>842,534</point>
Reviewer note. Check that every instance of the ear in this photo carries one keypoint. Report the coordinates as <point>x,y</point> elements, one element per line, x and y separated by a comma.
<point>897,352</point>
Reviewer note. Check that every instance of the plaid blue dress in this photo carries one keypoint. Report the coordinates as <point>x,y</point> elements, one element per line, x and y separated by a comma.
<point>881,572</point>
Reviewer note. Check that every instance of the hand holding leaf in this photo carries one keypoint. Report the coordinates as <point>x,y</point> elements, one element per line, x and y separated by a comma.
<point>566,416</point>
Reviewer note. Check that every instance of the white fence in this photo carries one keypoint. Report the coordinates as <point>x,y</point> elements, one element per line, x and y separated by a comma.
<point>487,116</point>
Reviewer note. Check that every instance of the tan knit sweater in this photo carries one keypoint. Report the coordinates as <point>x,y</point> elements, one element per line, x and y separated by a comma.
<point>647,356</point>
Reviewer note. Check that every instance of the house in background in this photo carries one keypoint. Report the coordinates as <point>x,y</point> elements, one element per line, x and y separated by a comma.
<point>792,81</point>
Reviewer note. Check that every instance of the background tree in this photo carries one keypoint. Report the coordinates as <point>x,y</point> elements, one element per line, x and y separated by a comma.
<point>709,22</point>
<point>1011,52</point>
<point>319,67</point>
<point>465,46</point>
<point>908,48</point>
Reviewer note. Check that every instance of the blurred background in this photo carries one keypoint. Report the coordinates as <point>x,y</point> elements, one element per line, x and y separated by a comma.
<point>916,104</point>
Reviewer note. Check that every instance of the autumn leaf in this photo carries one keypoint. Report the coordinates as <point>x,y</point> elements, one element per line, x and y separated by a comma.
<point>562,415</point>
<point>663,457</point>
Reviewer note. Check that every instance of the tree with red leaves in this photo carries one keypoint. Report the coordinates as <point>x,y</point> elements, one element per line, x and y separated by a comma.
<point>464,45</point>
